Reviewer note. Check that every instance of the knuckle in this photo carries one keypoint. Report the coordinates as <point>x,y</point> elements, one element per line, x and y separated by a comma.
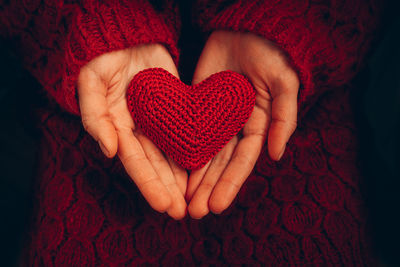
<point>244,160</point>
<point>155,157</point>
<point>207,186</point>
<point>286,79</point>
<point>290,124</point>
<point>222,160</point>
<point>147,183</point>
<point>171,185</point>
<point>230,182</point>
<point>133,158</point>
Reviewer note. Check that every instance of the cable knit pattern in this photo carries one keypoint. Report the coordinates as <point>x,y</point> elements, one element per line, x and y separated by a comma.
<point>190,123</point>
<point>299,211</point>
<point>56,38</point>
<point>325,40</point>
<point>304,210</point>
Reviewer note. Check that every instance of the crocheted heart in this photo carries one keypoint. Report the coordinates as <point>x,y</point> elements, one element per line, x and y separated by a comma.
<point>190,123</point>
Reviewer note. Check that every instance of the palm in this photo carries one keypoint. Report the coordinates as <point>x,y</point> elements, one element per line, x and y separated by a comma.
<point>102,89</point>
<point>215,186</point>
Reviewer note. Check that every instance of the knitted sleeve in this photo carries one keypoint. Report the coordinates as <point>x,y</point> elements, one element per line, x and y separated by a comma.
<point>325,40</point>
<point>56,38</point>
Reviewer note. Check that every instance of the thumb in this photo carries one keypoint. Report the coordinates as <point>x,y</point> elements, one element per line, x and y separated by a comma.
<point>94,111</point>
<point>213,59</point>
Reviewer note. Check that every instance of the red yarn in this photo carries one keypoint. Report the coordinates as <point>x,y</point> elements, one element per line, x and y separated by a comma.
<point>206,249</point>
<point>190,123</point>
<point>115,246</point>
<point>51,233</point>
<point>257,188</point>
<point>59,37</point>
<point>302,216</point>
<point>84,219</point>
<point>263,215</point>
<point>305,210</point>
<point>310,32</point>
<point>176,234</point>
<point>237,248</point>
<point>75,253</point>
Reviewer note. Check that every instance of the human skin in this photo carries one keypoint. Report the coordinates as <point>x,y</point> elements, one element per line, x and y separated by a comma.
<point>214,187</point>
<point>102,85</point>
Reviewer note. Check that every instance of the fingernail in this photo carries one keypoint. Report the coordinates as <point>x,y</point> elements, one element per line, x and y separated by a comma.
<point>282,152</point>
<point>104,149</point>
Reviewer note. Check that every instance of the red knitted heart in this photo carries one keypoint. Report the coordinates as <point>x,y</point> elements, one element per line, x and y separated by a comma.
<point>190,123</point>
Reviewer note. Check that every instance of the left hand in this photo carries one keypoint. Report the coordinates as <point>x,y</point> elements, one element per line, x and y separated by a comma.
<point>214,186</point>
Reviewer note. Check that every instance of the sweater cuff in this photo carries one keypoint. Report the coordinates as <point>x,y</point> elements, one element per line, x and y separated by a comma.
<point>99,28</point>
<point>324,42</point>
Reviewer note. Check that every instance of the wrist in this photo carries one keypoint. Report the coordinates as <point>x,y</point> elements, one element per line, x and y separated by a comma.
<point>226,45</point>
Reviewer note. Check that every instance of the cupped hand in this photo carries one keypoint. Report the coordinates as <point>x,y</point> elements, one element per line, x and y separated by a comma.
<point>214,187</point>
<point>102,86</point>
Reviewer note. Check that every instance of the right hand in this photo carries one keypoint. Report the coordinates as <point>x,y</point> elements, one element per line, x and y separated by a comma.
<point>102,85</point>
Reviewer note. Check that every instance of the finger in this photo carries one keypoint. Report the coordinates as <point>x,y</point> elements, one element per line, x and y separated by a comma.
<point>204,69</point>
<point>239,168</point>
<point>160,164</point>
<point>141,171</point>
<point>159,57</point>
<point>198,206</point>
<point>94,111</point>
<point>214,58</point>
<point>171,68</point>
<point>194,180</point>
<point>180,174</point>
<point>283,123</point>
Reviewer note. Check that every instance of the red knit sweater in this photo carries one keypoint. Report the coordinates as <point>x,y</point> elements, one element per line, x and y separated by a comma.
<point>305,210</point>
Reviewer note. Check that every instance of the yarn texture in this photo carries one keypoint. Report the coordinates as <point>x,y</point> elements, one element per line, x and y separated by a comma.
<point>305,210</point>
<point>190,123</point>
